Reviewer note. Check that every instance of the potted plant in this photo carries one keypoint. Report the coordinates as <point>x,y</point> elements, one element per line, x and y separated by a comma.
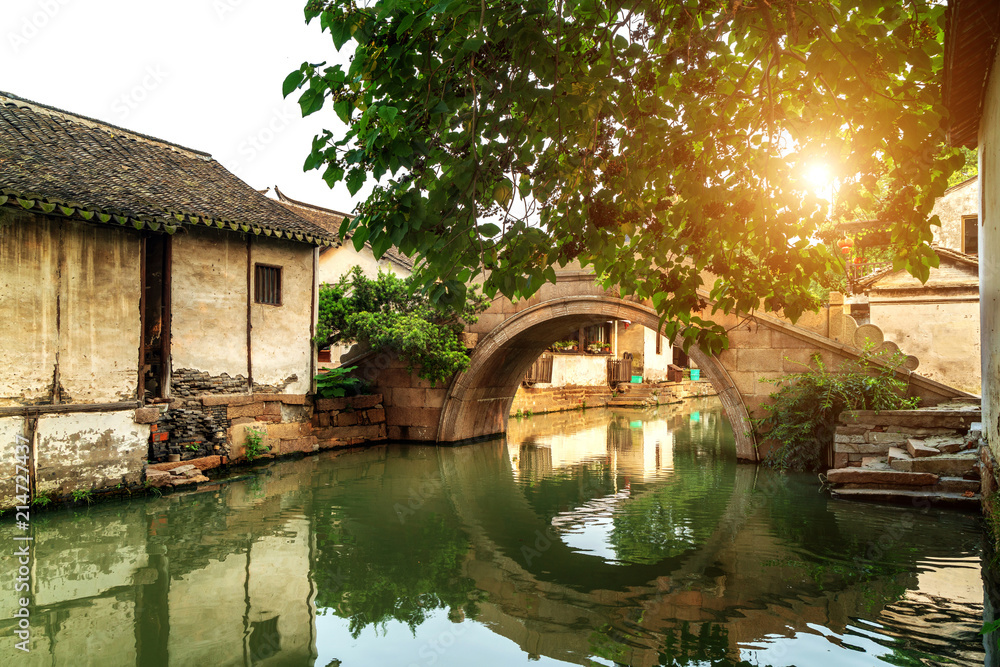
<point>595,348</point>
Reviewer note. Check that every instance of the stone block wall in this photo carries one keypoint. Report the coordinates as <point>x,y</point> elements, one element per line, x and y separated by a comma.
<point>556,399</point>
<point>863,434</point>
<point>331,423</point>
<point>215,425</point>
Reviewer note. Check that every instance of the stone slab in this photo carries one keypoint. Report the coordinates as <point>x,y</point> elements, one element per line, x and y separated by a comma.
<point>917,449</point>
<point>958,485</point>
<point>868,476</point>
<point>955,465</point>
<point>946,445</point>
<point>146,415</point>
<point>203,463</point>
<point>249,410</point>
<point>910,496</point>
<point>228,399</point>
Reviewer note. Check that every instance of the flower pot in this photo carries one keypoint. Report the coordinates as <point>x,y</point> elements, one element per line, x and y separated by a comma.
<point>173,458</point>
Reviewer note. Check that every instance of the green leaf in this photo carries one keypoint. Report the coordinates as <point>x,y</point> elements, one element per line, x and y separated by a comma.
<point>355,179</point>
<point>291,82</point>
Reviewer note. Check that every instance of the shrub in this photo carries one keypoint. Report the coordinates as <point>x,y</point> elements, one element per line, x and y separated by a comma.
<point>337,382</point>
<point>802,419</point>
<point>255,444</point>
<point>391,313</point>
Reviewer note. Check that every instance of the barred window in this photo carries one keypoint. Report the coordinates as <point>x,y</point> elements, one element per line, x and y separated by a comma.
<point>267,284</point>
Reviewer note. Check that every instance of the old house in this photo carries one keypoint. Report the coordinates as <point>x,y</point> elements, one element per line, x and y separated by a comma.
<point>936,321</point>
<point>135,272</point>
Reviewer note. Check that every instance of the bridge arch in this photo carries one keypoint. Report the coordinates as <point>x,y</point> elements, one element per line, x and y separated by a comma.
<point>477,402</point>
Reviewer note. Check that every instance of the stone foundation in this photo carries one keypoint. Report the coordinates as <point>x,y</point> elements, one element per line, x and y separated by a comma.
<point>863,434</point>
<point>215,425</point>
<point>538,400</point>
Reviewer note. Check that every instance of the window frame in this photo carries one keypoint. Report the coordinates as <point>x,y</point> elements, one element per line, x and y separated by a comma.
<point>257,284</point>
<point>966,219</point>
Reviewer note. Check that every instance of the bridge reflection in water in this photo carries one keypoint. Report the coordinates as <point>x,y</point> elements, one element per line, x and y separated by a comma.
<point>597,537</point>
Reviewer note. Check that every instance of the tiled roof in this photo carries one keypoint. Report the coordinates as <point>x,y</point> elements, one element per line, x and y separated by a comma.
<point>57,162</point>
<point>330,220</point>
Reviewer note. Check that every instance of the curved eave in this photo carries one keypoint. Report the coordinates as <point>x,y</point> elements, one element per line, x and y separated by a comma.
<point>168,222</point>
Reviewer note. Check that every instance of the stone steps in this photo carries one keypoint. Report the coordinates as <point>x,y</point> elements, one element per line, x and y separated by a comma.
<point>959,464</point>
<point>916,497</point>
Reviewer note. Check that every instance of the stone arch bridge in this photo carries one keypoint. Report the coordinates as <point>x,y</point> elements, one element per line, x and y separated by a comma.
<point>510,336</point>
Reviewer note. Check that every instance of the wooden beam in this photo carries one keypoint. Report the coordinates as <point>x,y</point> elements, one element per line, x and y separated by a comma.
<point>33,410</point>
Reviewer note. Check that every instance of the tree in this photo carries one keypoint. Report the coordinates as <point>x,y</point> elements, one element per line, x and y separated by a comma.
<point>389,314</point>
<point>659,142</point>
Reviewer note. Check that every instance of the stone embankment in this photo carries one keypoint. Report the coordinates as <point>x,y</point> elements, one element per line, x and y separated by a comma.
<point>928,455</point>
<point>556,399</point>
<point>282,424</point>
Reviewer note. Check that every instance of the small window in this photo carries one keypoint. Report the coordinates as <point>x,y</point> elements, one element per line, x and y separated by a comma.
<point>267,284</point>
<point>970,235</point>
<point>659,344</point>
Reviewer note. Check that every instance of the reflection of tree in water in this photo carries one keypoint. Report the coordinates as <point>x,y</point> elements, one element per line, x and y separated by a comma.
<point>360,579</point>
<point>679,512</point>
<point>680,646</point>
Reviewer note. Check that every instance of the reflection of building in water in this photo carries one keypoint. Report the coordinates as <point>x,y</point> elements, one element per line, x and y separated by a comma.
<point>114,597</point>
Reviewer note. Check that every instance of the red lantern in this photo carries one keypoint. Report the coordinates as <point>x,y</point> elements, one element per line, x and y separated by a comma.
<point>857,260</point>
<point>844,249</point>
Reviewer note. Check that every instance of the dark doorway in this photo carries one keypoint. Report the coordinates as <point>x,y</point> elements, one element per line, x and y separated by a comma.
<point>155,354</point>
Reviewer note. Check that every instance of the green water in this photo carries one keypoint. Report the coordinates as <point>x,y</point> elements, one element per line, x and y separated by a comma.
<point>594,538</point>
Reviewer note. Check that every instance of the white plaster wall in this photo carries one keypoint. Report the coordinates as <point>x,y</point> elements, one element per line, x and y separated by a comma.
<point>71,289</point>
<point>989,256</point>
<point>335,262</point>
<point>944,336</point>
<point>583,370</point>
<point>84,450</point>
<point>655,368</point>
<point>280,343</point>
<point>208,301</point>
<point>99,314</point>
<point>28,287</point>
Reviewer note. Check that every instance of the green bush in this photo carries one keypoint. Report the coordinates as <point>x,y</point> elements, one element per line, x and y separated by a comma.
<point>337,382</point>
<point>390,313</point>
<point>802,419</point>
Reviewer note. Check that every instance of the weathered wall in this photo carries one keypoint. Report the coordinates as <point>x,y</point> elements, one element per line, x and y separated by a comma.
<point>989,256</point>
<point>209,302</point>
<point>99,314</point>
<point>68,292</point>
<point>957,201</point>
<point>335,262</point>
<point>89,450</point>
<point>280,334</point>
<point>28,266</point>
<point>944,336</point>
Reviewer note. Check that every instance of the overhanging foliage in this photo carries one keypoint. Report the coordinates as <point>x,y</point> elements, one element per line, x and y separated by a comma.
<point>663,143</point>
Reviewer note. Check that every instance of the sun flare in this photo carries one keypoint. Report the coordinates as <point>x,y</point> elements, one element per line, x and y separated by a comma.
<point>819,177</point>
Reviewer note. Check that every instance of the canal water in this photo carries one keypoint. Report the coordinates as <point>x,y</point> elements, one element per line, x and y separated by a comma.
<point>603,537</point>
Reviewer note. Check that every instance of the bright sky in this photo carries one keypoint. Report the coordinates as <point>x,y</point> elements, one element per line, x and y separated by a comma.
<point>205,74</point>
